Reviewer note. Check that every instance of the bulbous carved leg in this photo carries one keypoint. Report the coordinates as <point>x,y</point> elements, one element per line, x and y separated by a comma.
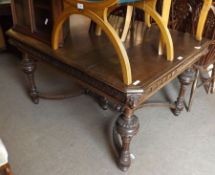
<point>127,126</point>
<point>29,67</point>
<point>185,79</point>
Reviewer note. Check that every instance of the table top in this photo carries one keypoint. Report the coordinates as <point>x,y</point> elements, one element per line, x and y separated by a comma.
<point>95,57</point>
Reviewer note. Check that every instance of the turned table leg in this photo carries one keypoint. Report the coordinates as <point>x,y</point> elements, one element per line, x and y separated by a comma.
<point>127,126</point>
<point>29,67</point>
<point>186,78</point>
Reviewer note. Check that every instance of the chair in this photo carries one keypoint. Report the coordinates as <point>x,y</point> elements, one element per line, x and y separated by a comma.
<point>209,59</point>
<point>202,18</point>
<point>4,165</point>
<point>165,17</point>
<point>98,12</point>
<point>148,6</point>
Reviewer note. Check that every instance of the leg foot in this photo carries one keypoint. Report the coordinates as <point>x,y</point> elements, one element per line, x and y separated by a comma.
<point>7,169</point>
<point>185,79</point>
<point>127,126</point>
<point>29,67</point>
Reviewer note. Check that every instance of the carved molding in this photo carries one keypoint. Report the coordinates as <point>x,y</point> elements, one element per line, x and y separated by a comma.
<point>81,77</point>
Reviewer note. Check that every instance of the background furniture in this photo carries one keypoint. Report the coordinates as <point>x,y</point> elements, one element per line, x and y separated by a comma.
<point>185,16</point>
<point>205,68</point>
<point>148,6</point>
<point>4,165</point>
<point>5,21</point>
<point>36,18</point>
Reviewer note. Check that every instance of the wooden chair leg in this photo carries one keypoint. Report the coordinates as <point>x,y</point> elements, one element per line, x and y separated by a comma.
<point>202,18</point>
<point>161,46</point>
<point>193,89</point>
<point>152,4</point>
<point>165,17</point>
<point>98,30</point>
<point>164,31</point>
<point>100,18</point>
<point>127,22</point>
<point>8,170</point>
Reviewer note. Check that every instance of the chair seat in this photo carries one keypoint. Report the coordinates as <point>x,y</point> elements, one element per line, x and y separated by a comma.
<point>3,154</point>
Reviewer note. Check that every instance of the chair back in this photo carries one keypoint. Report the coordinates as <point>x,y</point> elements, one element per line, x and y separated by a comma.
<point>185,17</point>
<point>209,32</point>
